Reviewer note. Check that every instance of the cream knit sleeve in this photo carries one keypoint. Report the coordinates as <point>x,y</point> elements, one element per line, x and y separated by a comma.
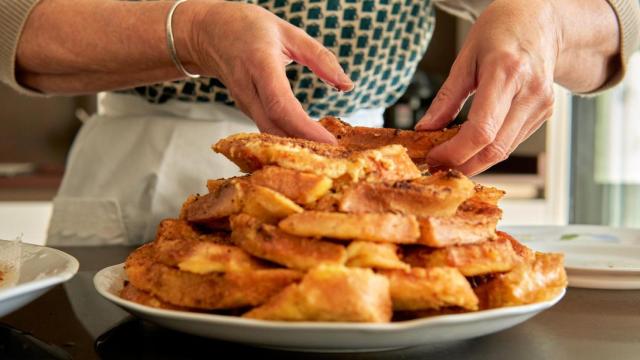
<point>13,14</point>
<point>627,11</point>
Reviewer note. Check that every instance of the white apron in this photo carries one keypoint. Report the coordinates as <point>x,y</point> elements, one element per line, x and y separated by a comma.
<point>133,164</point>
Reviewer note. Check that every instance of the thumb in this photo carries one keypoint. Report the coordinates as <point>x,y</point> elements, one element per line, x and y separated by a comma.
<point>451,97</point>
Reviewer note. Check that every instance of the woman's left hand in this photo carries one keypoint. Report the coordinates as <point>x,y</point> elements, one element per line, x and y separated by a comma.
<point>510,60</point>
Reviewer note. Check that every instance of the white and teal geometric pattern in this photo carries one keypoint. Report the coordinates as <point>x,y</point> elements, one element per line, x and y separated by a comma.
<point>378,43</point>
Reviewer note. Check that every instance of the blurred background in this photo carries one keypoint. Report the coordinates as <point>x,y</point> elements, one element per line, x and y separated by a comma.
<point>583,166</point>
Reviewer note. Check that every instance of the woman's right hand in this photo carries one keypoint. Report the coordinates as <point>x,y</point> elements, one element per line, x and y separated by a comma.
<point>247,48</point>
<point>79,47</point>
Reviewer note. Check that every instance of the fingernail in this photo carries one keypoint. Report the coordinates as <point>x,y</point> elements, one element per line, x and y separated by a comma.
<point>347,87</point>
<point>334,86</point>
<point>341,87</point>
<point>331,140</point>
<point>326,137</point>
<point>433,162</point>
<point>424,122</point>
<point>345,82</point>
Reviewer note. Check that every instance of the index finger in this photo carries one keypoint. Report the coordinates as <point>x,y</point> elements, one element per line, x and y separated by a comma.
<point>490,106</point>
<point>282,108</point>
<point>308,51</point>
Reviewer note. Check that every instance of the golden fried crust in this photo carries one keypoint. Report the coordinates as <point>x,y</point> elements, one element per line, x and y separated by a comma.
<point>331,293</point>
<point>254,151</point>
<point>214,185</point>
<point>268,242</point>
<point>473,222</point>
<point>179,245</point>
<point>432,288</point>
<point>301,187</point>
<point>367,254</point>
<point>211,291</point>
<point>471,259</point>
<point>225,201</point>
<point>330,202</point>
<point>418,143</point>
<point>436,195</point>
<point>487,194</point>
<point>179,229</point>
<point>131,293</point>
<point>237,196</point>
<point>385,164</point>
<point>251,151</point>
<point>524,254</point>
<point>187,203</point>
<point>539,280</point>
<point>385,227</point>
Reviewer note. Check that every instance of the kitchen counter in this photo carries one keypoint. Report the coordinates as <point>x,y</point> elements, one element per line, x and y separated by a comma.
<point>74,321</point>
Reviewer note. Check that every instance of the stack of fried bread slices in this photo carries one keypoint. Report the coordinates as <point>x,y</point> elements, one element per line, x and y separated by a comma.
<point>354,232</point>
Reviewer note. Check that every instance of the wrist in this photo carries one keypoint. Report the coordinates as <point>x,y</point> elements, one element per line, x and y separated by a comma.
<point>587,24</point>
<point>588,35</point>
<point>185,20</point>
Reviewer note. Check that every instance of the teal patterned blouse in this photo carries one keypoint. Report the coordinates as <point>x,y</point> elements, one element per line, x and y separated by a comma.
<point>378,43</point>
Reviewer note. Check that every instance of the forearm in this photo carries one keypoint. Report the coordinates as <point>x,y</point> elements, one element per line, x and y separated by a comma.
<point>588,44</point>
<point>71,46</point>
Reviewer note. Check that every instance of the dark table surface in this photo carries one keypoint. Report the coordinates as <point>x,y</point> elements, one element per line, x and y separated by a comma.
<point>72,321</point>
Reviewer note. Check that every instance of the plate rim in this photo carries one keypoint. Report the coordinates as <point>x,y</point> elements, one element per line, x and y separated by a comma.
<point>449,319</point>
<point>585,226</point>
<point>71,269</point>
<point>568,245</point>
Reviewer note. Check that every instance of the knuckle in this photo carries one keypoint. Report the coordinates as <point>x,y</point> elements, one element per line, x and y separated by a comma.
<point>324,55</point>
<point>513,61</point>
<point>485,132</point>
<point>542,94</point>
<point>537,86</point>
<point>445,94</point>
<point>493,153</point>
<point>547,103</point>
<point>485,135</point>
<point>547,98</point>
<point>514,65</point>
<point>274,107</point>
<point>540,86</point>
